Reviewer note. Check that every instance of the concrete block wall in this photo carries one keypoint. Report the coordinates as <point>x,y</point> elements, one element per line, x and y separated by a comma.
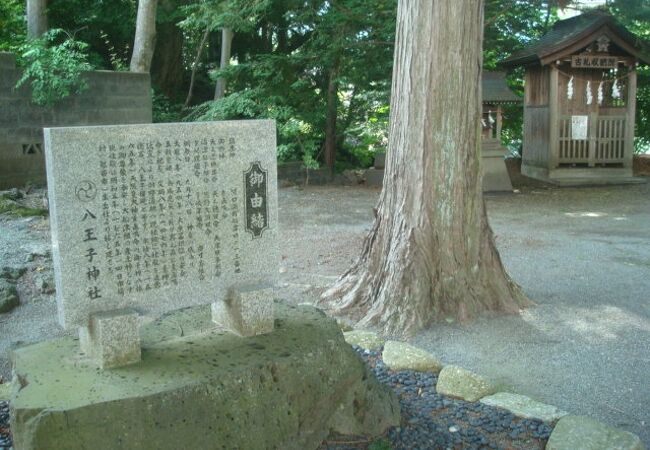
<point>111,98</point>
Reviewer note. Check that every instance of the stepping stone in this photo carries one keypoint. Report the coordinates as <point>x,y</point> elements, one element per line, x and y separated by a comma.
<point>460,383</point>
<point>364,339</point>
<point>583,433</point>
<point>402,356</point>
<point>523,406</point>
<point>5,392</point>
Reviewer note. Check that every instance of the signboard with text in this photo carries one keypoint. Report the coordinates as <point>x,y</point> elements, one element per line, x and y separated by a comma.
<point>579,127</point>
<point>157,217</point>
<point>594,62</point>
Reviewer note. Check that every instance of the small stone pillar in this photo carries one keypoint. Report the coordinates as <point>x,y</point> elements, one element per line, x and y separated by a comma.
<point>247,310</point>
<point>112,338</point>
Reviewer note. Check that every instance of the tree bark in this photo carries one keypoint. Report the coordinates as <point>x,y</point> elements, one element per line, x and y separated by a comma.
<point>329,154</point>
<point>145,36</point>
<point>226,46</point>
<point>36,18</point>
<point>167,70</point>
<point>430,254</point>
<point>197,59</point>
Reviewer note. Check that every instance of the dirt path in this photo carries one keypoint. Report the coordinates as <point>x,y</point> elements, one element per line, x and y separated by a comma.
<point>583,255</point>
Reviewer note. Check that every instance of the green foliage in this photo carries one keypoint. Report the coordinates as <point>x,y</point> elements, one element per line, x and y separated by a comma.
<point>635,15</point>
<point>106,26</point>
<point>297,140</point>
<point>118,58</point>
<point>512,24</point>
<point>10,207</point>
<point>12,24</point>
<point>286,53</point>
<point>368,134</point>
<point>53,66</point>
<point>642,143</point>
<point>381,444</point>
<point>164,110</point>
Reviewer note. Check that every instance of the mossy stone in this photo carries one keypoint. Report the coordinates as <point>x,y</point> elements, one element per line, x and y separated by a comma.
<point>460,383</point>
<point>200,387</point>
<point>8,296</point>
<point>584,433</point>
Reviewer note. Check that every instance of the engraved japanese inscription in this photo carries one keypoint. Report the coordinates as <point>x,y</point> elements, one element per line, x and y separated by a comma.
<point>255,187</point>
<point>155,217</point>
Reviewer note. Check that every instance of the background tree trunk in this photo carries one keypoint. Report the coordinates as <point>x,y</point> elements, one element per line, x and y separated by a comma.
<point>430,254</point>
<point>226,46</point>
<point>167,70</point>
<point>145,36</point>
<point>195,65</point>
<point>36,18</point>
<point>329,154</point>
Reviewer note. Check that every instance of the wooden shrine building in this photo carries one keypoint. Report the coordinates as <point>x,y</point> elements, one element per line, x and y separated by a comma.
<point>579,101</point>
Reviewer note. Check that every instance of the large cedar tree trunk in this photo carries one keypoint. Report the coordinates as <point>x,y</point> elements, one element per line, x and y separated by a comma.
<point>145,36</point>
<point>36,18</point>
<point>430,254</point>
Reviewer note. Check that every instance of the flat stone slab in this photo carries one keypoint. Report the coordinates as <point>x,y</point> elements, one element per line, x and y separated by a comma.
<point>402,356</point>
<point>523,406</point>
<point>364,339</point>
<point>201,387</point>
<point>157,217</point>
<point>460,383</point>
<point>584,433</point>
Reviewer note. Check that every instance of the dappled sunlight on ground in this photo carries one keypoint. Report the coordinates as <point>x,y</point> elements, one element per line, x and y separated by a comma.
<point>593,324</point>
<point>585,214</point>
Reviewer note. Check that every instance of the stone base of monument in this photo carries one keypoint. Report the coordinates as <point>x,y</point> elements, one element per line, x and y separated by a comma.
<point>495,171</point>
<point>112,338</point>
<point>200,387</point>
<point>247,310</point>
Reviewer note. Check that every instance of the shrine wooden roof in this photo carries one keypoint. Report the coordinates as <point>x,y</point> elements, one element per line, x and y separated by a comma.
<point>496,90</point>
<point>573,34</point>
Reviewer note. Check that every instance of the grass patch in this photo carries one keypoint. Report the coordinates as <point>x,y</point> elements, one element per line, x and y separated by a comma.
<point>12,208</point>
<point>381,444</point>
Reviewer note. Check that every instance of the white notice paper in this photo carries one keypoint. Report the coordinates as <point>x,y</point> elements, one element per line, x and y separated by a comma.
<point>579,126</point>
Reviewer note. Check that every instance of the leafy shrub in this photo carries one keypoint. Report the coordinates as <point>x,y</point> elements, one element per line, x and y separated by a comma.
<point>366,137</point>
<point>164,110</point>
<point>12,24</point>
<point>297,138</point>
<point>52,65</point>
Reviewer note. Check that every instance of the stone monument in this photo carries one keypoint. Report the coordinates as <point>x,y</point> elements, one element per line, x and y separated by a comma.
<point>152,218</point>
<point>166,256</point>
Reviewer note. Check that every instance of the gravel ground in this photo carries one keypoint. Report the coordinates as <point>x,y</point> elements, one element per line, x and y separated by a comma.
<point>433,421</point>
<point>582,254</point>
<point>5,438</point>
<point>25,243</point>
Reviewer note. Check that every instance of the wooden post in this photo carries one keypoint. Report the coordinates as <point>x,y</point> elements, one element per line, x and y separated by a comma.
<point>553,144</point>
<point>592,138</point>
<point>630,117</point>
<point>499,123</point>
